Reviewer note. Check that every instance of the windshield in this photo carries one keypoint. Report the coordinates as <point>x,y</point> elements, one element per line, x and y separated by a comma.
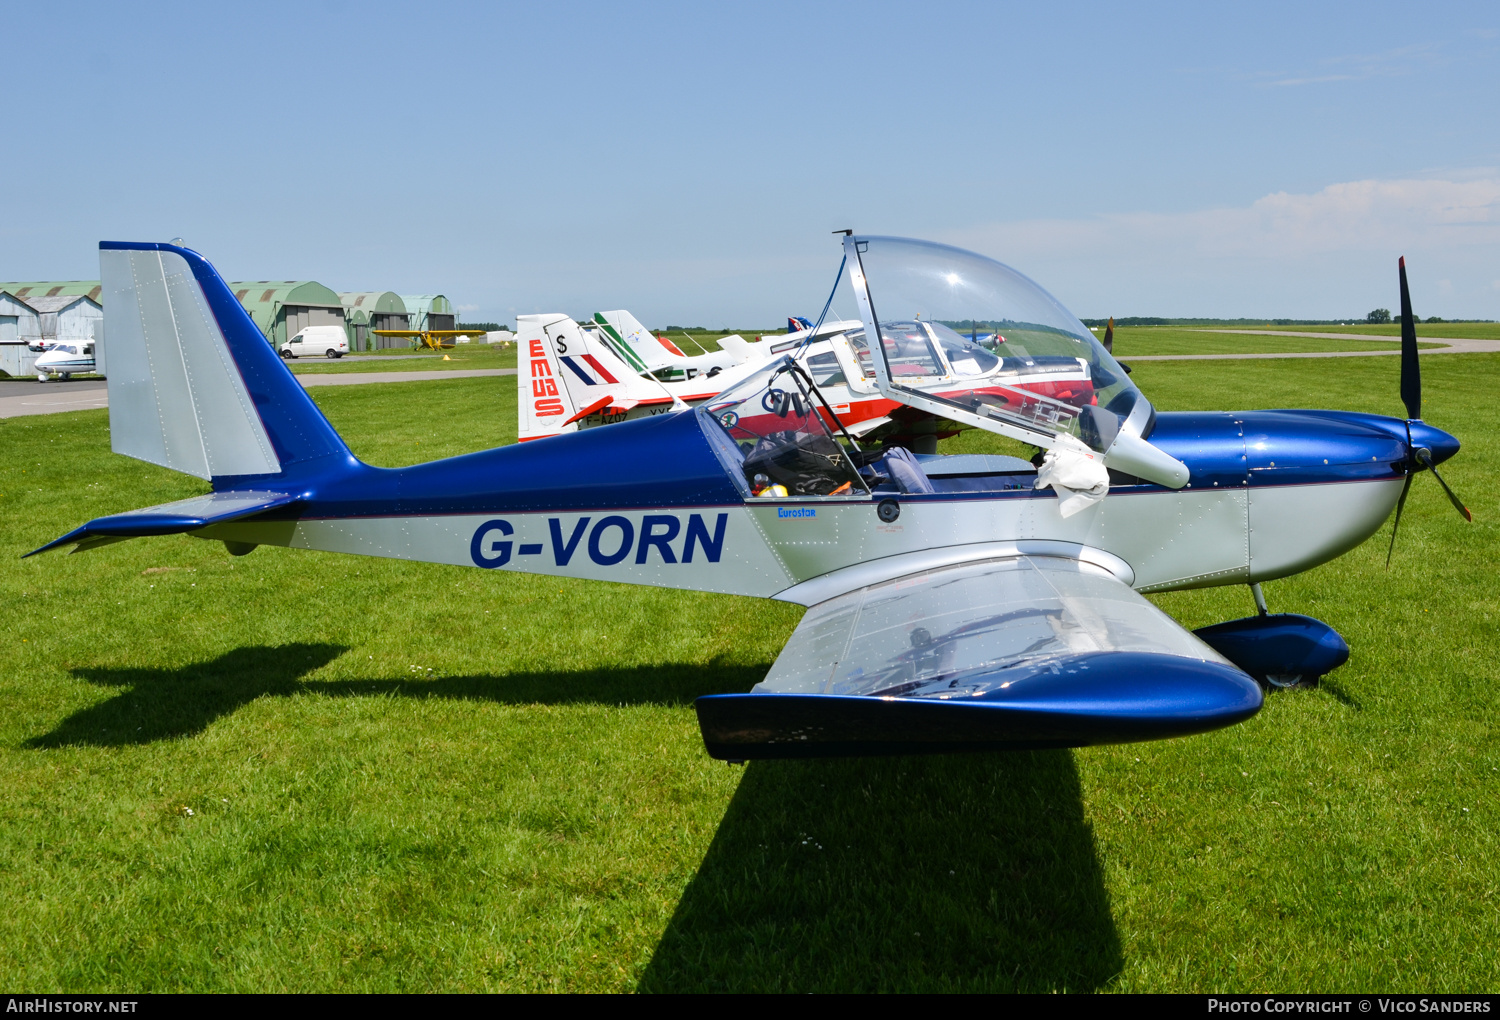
<point>1051,373</point>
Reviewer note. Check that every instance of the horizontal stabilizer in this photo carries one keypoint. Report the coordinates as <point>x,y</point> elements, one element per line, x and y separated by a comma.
<point>172,518</point>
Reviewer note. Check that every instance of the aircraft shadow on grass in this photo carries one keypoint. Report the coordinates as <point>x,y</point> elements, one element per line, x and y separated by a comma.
<point>161,704</point>
<point>963,873</point>
<point>972,872</point>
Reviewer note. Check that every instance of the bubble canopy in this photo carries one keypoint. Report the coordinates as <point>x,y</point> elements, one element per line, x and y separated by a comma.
<point>906,281</point>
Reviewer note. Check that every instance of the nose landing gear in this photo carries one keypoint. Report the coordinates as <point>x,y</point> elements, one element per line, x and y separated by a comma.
<point>1280,650</point>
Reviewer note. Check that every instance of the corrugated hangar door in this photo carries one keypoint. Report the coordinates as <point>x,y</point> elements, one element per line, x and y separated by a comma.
<point>390,320</point>
<point>299,317</point>
<point>436,320</point>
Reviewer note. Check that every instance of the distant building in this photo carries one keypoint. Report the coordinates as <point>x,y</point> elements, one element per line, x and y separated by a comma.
<point>429,311</point>
<point>49,310</point>
<point>367,310</point>
<point>282,308</point>
<point>88,288</point>
<point>46,314</point>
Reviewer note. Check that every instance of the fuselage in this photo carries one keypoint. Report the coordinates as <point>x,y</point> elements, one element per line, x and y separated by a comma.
<point>66,358</point>
<point>657,502</point>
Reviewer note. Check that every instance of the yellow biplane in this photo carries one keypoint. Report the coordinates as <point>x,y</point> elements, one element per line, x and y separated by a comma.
<point>433,339</point>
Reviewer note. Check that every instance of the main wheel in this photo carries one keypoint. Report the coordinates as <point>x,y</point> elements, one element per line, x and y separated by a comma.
<point>330,354</point>
<point>66,376</point>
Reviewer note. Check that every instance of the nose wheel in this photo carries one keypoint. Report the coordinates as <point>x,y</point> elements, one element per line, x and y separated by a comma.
<point>1287,681</point>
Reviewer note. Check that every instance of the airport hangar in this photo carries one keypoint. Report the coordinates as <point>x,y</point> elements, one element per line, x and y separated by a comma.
<point>38,312</point>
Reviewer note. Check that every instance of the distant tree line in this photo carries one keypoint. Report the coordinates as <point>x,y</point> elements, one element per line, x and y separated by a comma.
<point>1384,315</point>
<point>722,329</point>
<point>488,327</point>
<point>1150,320</point>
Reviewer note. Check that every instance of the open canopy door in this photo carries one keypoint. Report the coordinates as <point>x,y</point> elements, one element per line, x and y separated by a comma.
<point>929,302</point>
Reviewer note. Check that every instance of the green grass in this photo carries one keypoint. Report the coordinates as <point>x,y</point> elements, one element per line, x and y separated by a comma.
<point>411,777</point>
<point>1137,341</point>
<point>466,356</point>
<point>1455,330</point>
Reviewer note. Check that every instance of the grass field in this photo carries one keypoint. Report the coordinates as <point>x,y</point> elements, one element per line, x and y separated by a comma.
<point>464,356</point>
<point>1135,341</point>
<point>410,777</point>
<point>1142,340</point>
<point>1458,330</point>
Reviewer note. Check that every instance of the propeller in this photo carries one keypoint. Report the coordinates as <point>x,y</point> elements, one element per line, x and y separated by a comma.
<point>1419,457</point>
<point>1109,335</point>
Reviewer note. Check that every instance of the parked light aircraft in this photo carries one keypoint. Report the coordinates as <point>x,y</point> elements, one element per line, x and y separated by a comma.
<point>645,352</point>
<point>574,378</point>
<point>593,387</point>
<point>953,603</point>
<point>65,359</point>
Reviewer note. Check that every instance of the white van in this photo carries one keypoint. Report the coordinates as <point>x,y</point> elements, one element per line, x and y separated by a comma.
<point>328,341</point>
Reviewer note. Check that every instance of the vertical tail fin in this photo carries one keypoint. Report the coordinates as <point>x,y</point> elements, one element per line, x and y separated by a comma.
<point>543,401</point>
<point>637,346</point>
<point>193,386</point>
<point>567,375</point>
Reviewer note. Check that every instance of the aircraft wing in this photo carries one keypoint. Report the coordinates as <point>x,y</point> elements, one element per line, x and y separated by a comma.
<point>1016,652</point>
<point>172,518</point>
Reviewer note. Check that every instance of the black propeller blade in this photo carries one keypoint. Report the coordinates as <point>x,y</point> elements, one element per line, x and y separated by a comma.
<point>1109,336</point>
<point>1411,395</point>
<point>1424,457</point>
<point>1411,372</point>
<point>1400,506</point>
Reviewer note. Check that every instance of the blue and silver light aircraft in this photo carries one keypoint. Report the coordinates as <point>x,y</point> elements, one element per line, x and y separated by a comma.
<point>954,602</point>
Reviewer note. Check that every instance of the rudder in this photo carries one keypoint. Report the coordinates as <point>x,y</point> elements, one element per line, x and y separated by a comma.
<point>193,385</point>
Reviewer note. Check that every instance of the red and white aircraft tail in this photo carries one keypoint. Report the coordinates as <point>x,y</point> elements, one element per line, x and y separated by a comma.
<point>568,380</point>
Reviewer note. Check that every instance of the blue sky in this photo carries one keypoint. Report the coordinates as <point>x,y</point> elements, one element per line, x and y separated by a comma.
<point>688,161</point>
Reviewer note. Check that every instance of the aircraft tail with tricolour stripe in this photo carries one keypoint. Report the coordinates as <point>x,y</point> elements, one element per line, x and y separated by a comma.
<point>571,379</point>
<point>637,345</point>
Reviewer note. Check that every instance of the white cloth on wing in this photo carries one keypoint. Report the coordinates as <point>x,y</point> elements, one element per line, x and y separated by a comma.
<point>1076,473</point>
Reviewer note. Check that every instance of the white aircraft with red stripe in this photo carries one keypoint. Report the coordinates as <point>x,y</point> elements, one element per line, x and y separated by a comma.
<point>573,378</point>
<point>645,351</point>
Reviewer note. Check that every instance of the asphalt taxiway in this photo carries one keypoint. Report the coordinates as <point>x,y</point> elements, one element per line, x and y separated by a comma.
<point>20,397</point>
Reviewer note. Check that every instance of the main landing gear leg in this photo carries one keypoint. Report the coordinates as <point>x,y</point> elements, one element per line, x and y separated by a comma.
<point>1260,598</point>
